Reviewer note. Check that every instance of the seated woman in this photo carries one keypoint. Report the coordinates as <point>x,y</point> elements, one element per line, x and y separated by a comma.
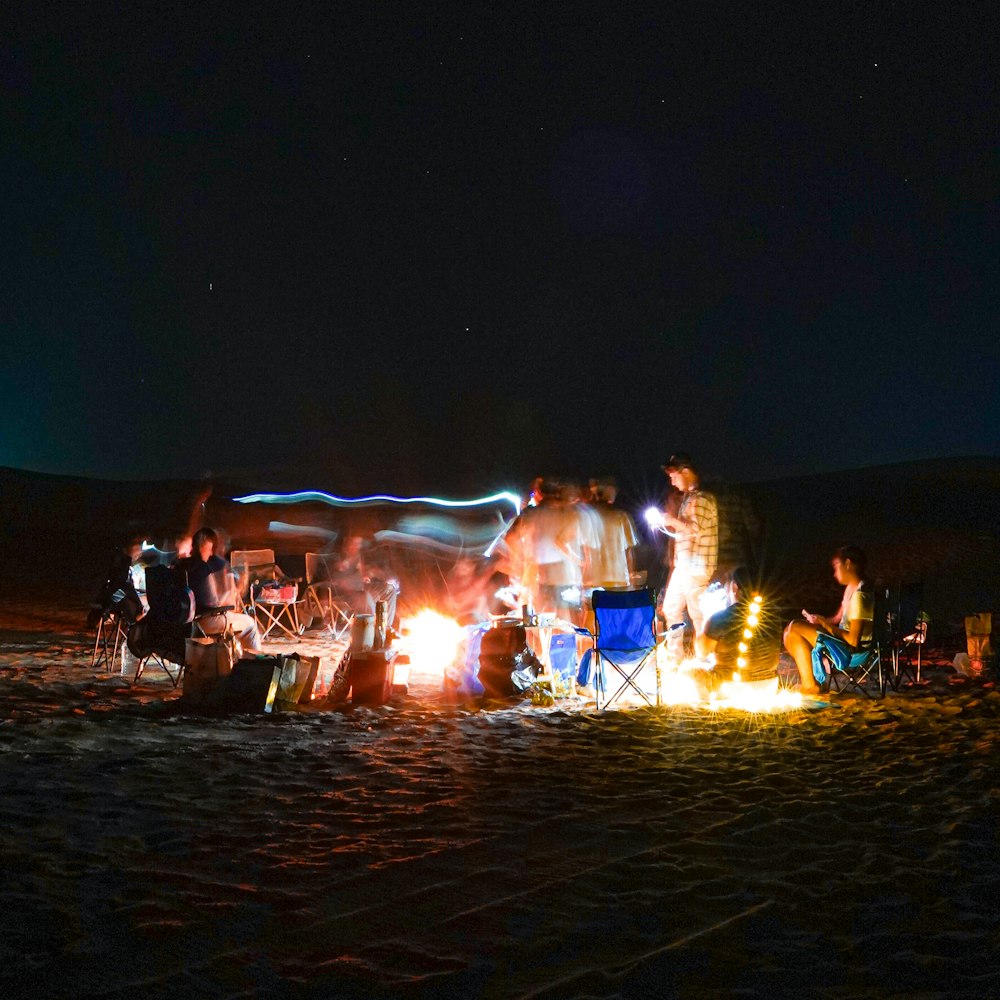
<point>840,636</point>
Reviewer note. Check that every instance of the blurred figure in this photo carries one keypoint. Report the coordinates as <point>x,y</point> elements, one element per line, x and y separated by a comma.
<point>213,584</point>
<point>119,593</point>
<point>360,581</point>
<point>611,562</point>
<point>695,529</point>
<point>181,548</point>
<point>469,592</point>
<point>546,543</point>
<point>740,542</point>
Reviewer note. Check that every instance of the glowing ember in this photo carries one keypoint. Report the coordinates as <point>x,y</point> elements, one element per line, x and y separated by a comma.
<point>431,640</point>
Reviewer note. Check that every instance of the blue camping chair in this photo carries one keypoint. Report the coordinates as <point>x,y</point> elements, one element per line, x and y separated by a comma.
<point>624,641</point>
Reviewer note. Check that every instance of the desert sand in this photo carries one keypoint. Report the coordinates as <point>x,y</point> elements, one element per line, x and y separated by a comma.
<point>424,849</point>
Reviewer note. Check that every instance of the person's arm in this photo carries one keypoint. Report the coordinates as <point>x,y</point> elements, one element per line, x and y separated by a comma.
<point>699,517</point>
<point>821,622</point>
<point>827,623</point>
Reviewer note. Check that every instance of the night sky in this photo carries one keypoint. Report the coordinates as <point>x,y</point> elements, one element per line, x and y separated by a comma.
<point>442,247</point>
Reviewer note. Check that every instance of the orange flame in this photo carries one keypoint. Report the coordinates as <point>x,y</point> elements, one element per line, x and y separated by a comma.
<point>431,639</point>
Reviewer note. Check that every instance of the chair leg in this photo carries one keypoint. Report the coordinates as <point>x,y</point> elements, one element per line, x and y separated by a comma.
<point>97,641</point>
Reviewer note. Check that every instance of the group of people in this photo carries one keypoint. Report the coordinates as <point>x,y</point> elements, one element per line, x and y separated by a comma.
<point>812,641</point>
<point>217,596</point>
<point>561,546</point>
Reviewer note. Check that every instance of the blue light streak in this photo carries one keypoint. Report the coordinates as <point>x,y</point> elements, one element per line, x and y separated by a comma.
<point>304,496</point>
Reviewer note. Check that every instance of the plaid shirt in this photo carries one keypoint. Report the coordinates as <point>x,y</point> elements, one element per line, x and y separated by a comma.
<point>696,548</point>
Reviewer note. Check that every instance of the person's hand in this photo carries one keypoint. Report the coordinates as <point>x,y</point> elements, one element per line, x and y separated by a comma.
<point>811,618</point>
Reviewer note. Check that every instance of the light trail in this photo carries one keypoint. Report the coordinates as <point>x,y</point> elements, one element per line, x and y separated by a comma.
<point>304,496</point>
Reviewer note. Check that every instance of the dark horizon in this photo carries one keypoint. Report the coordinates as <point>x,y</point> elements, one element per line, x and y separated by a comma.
<point>433,243</point>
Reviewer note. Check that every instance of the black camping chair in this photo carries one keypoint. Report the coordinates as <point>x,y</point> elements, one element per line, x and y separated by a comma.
<point>162,633</point>
<point>116,608</point>
<point>866,664</point>
<point>907,633</point>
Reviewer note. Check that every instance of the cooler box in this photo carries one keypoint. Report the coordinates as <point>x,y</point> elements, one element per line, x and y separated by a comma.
<point>371,676</point>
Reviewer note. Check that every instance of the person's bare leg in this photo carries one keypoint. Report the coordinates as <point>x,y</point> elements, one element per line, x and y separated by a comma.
<point>800,637</point>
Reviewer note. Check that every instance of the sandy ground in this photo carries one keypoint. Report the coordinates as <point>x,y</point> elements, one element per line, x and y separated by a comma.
<point>428,850</point>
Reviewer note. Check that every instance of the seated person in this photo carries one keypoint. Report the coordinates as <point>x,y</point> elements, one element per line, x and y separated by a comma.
<point>843,634</point>
<point>379,586</point>
<point>181,548</point>
<point>120,594</point>
<point>468,593</point>
<point>345,576</point>
<point>724,637</point>
<point>358,580</point>
<point>212,581</point>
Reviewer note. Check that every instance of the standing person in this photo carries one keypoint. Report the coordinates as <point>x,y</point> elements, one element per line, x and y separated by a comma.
<point>529,542</point>
<point>695,529</point>
<point>611,563</point>
<point>841,635</point>
<point>213,584</point>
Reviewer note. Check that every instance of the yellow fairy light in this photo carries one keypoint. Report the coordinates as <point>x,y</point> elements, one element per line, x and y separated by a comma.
<point>741,661</point>
<point>757,599</point>
<point>743,647</point>
<point>752,619</point>
<point>747,633</point>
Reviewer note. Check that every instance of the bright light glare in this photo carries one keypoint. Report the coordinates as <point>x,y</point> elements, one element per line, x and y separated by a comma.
<point>713,600</point>
<point>679,686</point>
<point>756,697</point>
<point>431,640</point>
<point>654,517</point>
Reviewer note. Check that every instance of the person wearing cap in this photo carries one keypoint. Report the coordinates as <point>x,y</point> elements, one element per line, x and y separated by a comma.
<point>695,530</point>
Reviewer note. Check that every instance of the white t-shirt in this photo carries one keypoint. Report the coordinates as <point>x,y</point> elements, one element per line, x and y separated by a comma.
<point>858,604</point>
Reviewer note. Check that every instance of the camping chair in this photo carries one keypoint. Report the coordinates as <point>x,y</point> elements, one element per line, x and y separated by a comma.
<point>337,615</point>
<point>862,666</point>
<point>269,595</point>
<point>908,632</point>
<point>161,634</point>
<point>624,642</point>
<point>251,566</point>
<point>865,664</point>
<point>111,629</point>
<point>117,606</point>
